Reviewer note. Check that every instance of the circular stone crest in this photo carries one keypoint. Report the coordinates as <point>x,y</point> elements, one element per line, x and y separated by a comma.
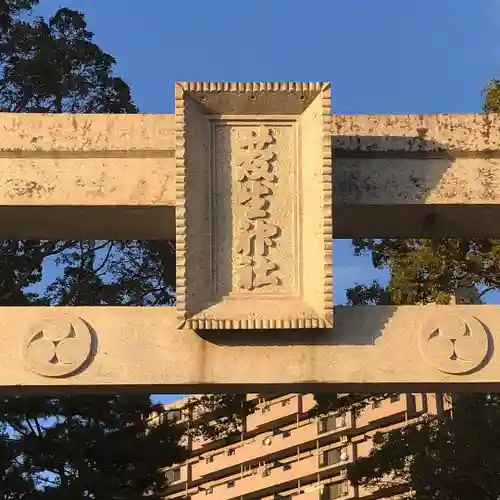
<point>454,343</point>
<point>56,347</point>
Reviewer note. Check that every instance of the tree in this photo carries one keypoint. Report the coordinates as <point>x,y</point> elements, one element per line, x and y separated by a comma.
<point>78,446</point>
<point>440,459</point>
<point>450,459</point>
<point>55,67</point>
<point>220,416</point>
<point>86,446</point>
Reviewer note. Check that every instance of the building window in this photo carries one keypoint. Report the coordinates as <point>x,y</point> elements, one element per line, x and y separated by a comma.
<point>330,457</point>
<point>395,398</point>
<point>209,459</point>
<point>333,490</point>
<point>173,475</point>
<point>173,415</point>
<point>230,484</point>
<point>376,404</point>
<point>322,425</point>
<point>230,452</point>
<point>287,434</point>
<point>330,423</point>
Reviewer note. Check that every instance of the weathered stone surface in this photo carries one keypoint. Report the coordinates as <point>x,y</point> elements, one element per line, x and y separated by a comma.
<point>420,175</point>
<point>401,181</point>
<point>81,180</point>
<point>253,214</point>
<point>87,176</point>
<point>25,133</point>
<point>248,169</point>
<point>461,134</point>
<point>370,348</point>
<point>28,132</point>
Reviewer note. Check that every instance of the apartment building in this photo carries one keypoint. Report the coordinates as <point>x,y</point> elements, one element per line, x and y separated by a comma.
<point>281,452</point>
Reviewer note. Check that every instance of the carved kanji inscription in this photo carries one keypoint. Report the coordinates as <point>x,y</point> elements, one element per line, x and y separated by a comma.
<point>257,239</point>
<point>258,218</point>
<point>253,214</point>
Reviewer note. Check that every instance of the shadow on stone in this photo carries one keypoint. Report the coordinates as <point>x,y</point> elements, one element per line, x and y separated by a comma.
<point>381,184</point>
<point>348,329</point>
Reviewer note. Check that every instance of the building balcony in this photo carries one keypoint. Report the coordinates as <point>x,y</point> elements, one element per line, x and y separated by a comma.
<point>363,448</point>
<point>436,404</point>
<point>387,409</point>
<point>308,402</point>
<point>267,412</point>
<point>269,444</point>
<point>390,492</point>
<point>199,442</point>
<point>269,476</point>
<point>176,477</point>
<point>328,491</point>
<point>332,489</point>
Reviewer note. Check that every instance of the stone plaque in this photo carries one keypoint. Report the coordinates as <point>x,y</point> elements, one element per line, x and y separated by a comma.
<point>254,200</point>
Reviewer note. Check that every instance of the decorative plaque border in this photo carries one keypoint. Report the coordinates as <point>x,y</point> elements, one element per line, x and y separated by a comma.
<point>233,156</point>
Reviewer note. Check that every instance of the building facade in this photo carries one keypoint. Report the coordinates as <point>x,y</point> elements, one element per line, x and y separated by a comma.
<point>281,452</point>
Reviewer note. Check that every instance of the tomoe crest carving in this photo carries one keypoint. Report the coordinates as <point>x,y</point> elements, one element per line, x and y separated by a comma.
<point>58,346</point>
<point>454,344</point>
<point>256,176</point>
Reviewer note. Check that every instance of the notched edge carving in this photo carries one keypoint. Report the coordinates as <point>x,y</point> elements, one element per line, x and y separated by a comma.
<point>252,86</point>
<point>326,95</point>
<point>255,324</point>
<point>180,206</point>
<point>302,91</point>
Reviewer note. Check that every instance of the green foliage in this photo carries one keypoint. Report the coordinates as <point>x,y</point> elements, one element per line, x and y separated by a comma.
<point>492,96</point>
<point>343,402</point>
<point>448,459</point>
<point>451,459</point>
<point>86,446</point>
<point>53,66</point>
<point>423,271</point>
<point>223,415</point>
<point>98,447</point>
<point>76,447</point>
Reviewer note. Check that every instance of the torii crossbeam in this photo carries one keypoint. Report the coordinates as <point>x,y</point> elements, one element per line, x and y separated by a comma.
<point>253,181</point>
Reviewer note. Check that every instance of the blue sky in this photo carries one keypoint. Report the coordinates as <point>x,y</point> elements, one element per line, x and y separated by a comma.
<point>384,56</point>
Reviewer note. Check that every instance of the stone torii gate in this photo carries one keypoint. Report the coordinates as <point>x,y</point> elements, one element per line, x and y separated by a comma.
<point>242,178</point>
